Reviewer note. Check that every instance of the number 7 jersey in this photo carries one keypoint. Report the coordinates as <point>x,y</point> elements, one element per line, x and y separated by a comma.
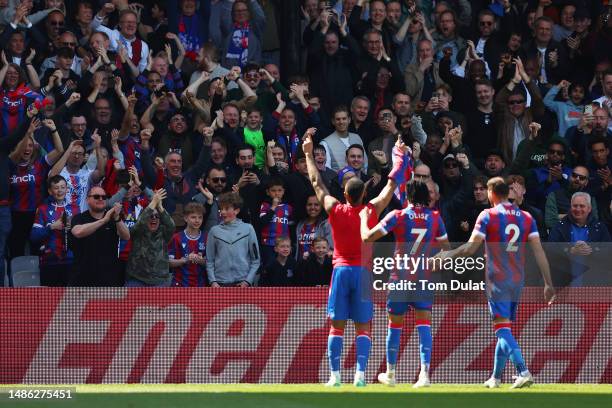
<point>506,230</point>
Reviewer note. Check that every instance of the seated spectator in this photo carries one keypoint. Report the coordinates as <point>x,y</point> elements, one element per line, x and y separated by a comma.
<point>232,255</point>
<point>148,261</point>
<point>280,270</point>
<point>316,269</point>
<point>187,250</point>
<point>558,202</point>
<point>583,232</point>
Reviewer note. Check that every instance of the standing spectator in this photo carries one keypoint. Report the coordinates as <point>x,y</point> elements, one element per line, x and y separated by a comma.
<point>550,177</point>
<point>568,111</point>
<point>15,95</point>
<point>423,76</point>
<point>231,248</point>
<point>275,219</point>
<point>28,175</point>
<point>316,269</point>
<point>187,250</point>
<point>50,233</point>
<point>94,239</point>
<point>148,264</point>
<point>360,122</point>
<point>215,184</point>
<point>554,62</point>
<point>447,36</point>
<point>338,142</point>
<point>239,36</point>
<point>483,135</point>
<point>124,41</point>
<point>192,25</point>
<point>310,228</point>
<point>280,271</point>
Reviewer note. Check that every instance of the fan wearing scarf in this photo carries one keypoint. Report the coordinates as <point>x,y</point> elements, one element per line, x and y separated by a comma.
<point>191,24</point>
<point>242,38</point>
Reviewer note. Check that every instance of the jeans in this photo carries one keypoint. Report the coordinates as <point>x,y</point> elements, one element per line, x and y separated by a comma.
<point>5,229</point>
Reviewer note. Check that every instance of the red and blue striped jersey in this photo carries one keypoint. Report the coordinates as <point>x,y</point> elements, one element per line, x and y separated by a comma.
<point>421,226</point>
<point>506,229</point>
<point>305,236</point>
<point>78,186</point>
<point>14,106</point>
<point>131,153</point>
<point>27,184</point>
<point>190,274</point>
<point>278,227</point>
<point>53,243</point>
<point>132,209</point>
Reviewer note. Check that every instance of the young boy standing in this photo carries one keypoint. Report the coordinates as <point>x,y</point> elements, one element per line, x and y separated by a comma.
<point>232,254</point>
<point>187,250</point>
<point>275,218</point>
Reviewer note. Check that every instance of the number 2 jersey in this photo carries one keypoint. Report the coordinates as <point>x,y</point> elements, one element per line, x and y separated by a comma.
<point>506,230</point>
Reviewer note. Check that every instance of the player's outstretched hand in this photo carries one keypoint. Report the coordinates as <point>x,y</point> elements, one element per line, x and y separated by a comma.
<point>549,294</point>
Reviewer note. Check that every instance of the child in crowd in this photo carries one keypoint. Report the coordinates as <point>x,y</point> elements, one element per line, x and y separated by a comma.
<point>275,219</point>
<point>316,269</point>
<point>281,270</point>
<point>187,250</point>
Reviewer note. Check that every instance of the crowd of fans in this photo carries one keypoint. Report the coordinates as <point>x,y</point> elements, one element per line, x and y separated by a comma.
<point>153,143</point>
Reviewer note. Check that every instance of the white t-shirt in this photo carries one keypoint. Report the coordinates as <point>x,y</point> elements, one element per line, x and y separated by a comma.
<point>78,186</point>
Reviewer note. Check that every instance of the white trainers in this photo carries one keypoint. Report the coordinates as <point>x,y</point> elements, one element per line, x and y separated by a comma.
<point>387,379</point>
<point>523,381</point>
<point>359,380</point>
<point>334,381</point>
<point>492,383</point>
<point>423,381</point>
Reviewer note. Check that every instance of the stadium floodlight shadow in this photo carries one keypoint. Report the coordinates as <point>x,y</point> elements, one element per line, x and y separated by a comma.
<point>25,271</point>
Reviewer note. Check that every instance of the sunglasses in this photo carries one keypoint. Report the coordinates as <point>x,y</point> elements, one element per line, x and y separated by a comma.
<point>579,176</point>
<point>252,75</point>
<point>557,152</point>
<point>451,165</point>
<point>219,179</point>
<point>515,102</point>
<point>99,196</point>
<point>154,217</point>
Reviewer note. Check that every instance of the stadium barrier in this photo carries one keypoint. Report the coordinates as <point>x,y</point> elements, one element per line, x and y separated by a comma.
<point>274,335</point>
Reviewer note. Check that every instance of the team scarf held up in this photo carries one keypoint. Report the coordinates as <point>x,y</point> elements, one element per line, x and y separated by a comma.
<point>291,145</point>
<point>239,45</point>
<point>189,34</point>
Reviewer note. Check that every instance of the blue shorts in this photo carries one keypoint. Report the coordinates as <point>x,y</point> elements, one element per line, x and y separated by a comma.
<point>503,309</point>
<point>400,308</point>
<point>348,297</point>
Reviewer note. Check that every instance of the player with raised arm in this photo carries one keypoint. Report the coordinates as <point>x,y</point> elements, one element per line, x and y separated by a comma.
<point>345,293</point>
<point>505,229</point>
<point>419,231</point>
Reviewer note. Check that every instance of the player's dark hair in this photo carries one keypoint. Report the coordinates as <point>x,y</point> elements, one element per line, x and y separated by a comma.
<point>417,193</point>
<point>499,187</point>
<point>354,190</point>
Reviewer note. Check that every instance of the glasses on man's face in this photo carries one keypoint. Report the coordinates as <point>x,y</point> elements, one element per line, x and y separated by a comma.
<point>154,217</point>
<point>579,176</point>
<point>252,75</point>
<point>98,196</point>
<point>556,152</point>
<point>78,154</point>
<point>219,179</point>
<point>516,102</point>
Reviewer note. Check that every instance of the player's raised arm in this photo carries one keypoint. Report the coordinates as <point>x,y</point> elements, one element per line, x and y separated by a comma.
<point>326,200</point>
<point>542,261</point>
<point>367,234</point>
<point>402,167</point>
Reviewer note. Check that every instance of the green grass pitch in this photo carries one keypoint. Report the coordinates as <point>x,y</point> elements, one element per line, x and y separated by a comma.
<point>314,395</point>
